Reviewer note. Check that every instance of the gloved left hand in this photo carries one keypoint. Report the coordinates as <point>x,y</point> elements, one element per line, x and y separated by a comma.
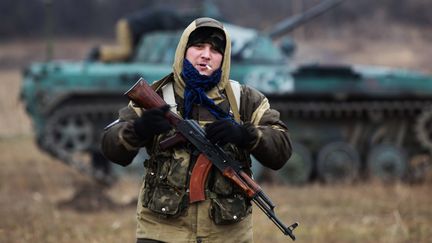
<point>222,132</point>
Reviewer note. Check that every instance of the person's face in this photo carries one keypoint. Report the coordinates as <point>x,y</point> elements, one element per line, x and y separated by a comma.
<point>204,58</point>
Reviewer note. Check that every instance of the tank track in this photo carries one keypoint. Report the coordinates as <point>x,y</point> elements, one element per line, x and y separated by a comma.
<point>423,128</point>
<point>418,112</point>
<point>413,116</point>
<point>72,134</point>
<point>343,109</point>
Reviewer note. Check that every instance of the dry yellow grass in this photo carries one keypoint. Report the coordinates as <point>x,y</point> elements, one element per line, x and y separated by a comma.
<point>362,213</point>
<point>32,186</point>
<point>13,120</point>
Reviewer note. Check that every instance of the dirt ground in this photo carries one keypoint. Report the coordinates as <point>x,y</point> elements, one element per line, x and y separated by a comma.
<point>36,194</point>
<point>36,190</point>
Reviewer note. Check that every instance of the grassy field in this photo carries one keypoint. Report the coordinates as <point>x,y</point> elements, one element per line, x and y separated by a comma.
<point>36,205</point>
<point>37,202</point>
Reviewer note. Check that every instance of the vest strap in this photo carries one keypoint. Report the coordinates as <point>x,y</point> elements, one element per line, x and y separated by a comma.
<point>233,90</point>
<point>168,96</point>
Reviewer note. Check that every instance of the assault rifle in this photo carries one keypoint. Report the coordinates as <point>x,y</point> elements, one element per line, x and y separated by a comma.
<point>145,97</point>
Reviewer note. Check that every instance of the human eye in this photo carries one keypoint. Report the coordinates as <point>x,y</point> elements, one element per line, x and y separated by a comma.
<point>213,50</point>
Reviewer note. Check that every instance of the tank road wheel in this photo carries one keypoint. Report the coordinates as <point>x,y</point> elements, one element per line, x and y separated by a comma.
<point>298,168</point>
<point>423,128</point>
<point>338,162</point>
<point>387,162</point>
<point>67,132</point>
<point>68,136</point>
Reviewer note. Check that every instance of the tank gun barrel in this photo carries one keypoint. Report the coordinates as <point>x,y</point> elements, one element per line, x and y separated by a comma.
<point>292,22</point>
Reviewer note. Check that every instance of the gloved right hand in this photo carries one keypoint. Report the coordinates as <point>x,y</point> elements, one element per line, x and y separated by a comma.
<point>152,122</point>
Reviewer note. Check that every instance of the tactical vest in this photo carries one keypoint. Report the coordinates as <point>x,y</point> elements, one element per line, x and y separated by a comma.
<point>167,177</point>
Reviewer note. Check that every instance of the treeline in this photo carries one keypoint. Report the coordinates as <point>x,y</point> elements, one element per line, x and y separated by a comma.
<point>33,18</point>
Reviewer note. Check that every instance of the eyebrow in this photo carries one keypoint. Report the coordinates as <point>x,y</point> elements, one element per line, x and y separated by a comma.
<point>204,42</point>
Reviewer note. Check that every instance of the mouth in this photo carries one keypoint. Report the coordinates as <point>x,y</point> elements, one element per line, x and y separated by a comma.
<point>206,66</point>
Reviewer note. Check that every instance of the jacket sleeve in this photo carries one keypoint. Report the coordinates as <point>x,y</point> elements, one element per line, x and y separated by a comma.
<point>119,143</point>
<point>271,145</point>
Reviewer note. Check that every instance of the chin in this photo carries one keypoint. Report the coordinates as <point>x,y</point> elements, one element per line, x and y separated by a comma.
<point>204,73</point>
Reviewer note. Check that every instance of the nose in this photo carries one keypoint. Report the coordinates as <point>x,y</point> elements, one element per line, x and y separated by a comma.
<point>205,53</point>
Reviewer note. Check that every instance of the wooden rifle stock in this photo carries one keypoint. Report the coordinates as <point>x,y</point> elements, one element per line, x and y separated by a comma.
<point>145,97</point>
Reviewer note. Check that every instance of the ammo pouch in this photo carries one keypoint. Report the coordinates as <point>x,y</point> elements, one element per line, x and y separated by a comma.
<point>228,204</point>
<point>165,184</point>
<point>166,201</point>
<point>167,180</point>
<point>229,210</point>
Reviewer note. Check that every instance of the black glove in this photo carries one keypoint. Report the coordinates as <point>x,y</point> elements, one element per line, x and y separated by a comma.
<point>152,122</point>
<point>222,132</point>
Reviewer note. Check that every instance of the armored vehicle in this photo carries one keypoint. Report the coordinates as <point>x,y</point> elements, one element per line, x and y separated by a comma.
<point>71,102</point>
<point>347,122</point>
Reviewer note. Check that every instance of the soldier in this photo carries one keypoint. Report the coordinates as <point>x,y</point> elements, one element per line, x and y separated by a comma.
<point>132,27</point>
<point>129,30</point>
<point>236,117</point>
